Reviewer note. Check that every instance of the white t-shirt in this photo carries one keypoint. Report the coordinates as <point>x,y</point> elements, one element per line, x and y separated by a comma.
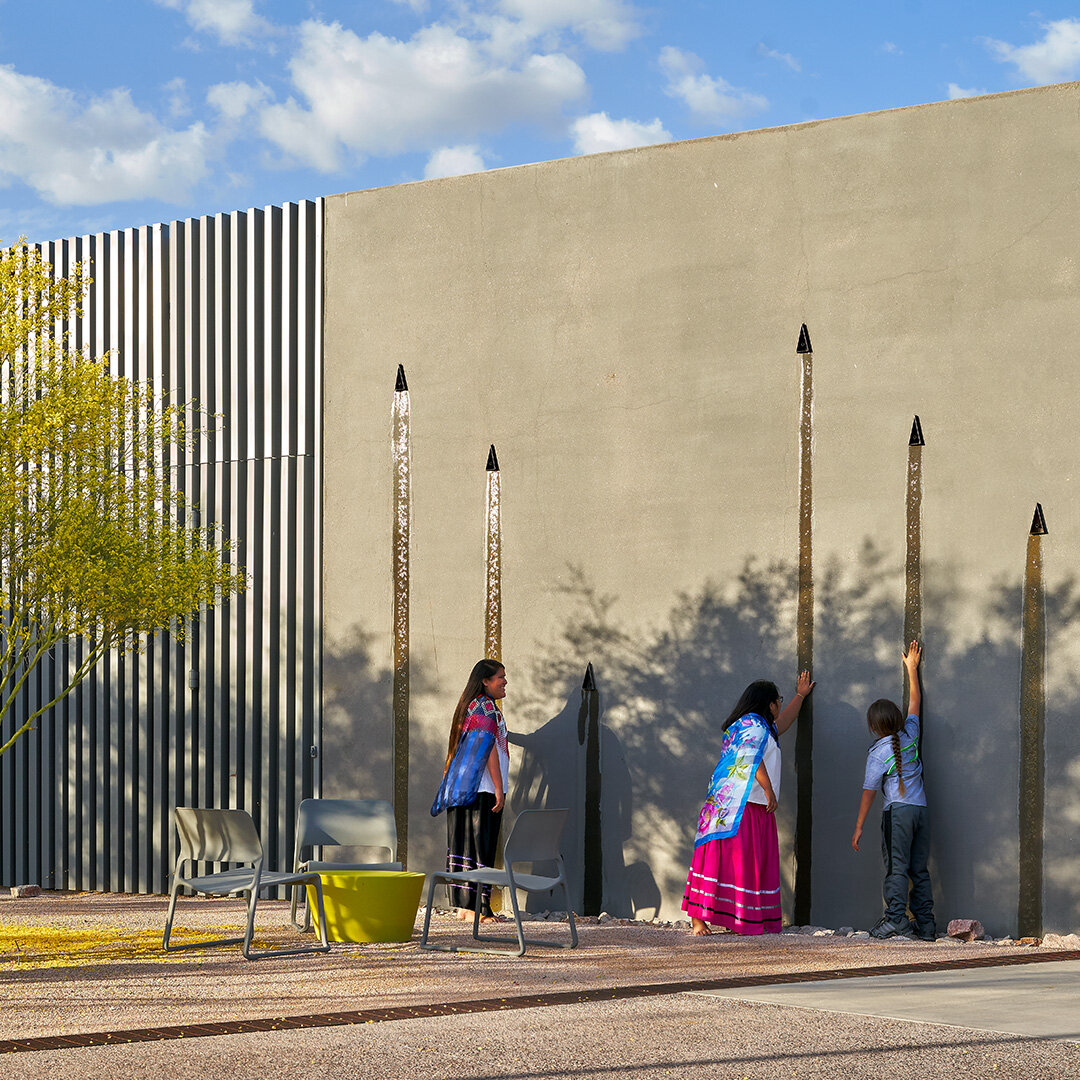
<point>504,762</point>
<point>771,761</point>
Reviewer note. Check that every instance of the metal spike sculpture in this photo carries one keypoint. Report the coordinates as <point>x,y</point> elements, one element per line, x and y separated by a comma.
<point>589,735</point>
<point>913,563</point>
<point>400,454</point>
<point>804,634</point>
<point>493,562</point>
<point>1029,915</point>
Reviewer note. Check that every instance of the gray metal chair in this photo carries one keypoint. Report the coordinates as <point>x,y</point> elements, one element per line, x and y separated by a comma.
<point>534,838</point>
<point>229,836</point>
<point>322,823</point>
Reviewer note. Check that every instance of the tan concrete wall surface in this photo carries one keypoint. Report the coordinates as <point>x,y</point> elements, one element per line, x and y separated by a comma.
<point>623,328</point>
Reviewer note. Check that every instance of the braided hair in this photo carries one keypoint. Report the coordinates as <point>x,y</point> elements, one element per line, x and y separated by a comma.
<point>885,720</point>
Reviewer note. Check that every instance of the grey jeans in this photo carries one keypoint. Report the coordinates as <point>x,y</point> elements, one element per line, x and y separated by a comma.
<point>905,846</point>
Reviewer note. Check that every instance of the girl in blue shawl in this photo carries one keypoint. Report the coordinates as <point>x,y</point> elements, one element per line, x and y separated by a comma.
<point>473,789</point>
<point>734,879</point>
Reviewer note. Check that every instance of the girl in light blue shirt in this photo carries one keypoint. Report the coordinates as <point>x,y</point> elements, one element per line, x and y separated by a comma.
<point>893,766</point>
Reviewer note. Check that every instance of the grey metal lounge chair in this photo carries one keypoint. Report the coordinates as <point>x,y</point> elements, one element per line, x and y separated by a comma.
<point>229,836</point>
<point>534,838</point>
<point>322,823</point>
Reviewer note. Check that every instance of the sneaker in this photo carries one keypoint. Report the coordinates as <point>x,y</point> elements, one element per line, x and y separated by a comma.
<point>885,929</point>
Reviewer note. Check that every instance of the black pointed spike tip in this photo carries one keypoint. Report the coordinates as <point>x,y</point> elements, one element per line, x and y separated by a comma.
<point>916,437</point>
<point>589,682</point>
<point>401,384</point>
<point>804,345</point>
<point>493,461</point>
<point>1038,522</point>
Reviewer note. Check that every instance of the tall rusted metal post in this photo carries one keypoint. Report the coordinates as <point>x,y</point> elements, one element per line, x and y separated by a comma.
<point>804,637</point>
<point>400,453</point>
<point>1029,914</point>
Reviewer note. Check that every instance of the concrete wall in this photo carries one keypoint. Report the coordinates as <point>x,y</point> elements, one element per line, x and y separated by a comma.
<point>623,328</point>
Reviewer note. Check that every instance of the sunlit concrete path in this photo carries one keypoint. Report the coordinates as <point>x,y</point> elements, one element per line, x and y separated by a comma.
<point>1037,1000</point>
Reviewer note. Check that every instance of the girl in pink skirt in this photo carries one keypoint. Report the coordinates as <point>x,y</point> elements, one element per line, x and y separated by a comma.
<point>734,879</point>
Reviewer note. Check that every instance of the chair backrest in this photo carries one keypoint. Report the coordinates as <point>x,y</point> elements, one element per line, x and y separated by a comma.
<point>217,836</point>
<point>535,836</point>
<point>346,823</point>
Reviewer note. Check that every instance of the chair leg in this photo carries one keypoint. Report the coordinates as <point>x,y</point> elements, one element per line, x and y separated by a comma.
<point>427,914</point>
<point>322,947</point>
<point>570,917</point>
<point>294,906</point>
<point>169,917</point>
<point>253,899</point>
<point>190,944</point>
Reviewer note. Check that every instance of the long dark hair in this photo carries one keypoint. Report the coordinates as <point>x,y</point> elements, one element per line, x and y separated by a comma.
<point>482,669</point>
<point>756,698</point>
<point>886,721</point>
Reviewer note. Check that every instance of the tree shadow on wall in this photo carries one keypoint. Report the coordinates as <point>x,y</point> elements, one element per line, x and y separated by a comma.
<point>358,724</point>
<point>552,774</point>
<point>669,686</point>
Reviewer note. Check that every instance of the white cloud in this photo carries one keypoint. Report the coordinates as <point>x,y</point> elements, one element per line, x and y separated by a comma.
<point>105,151</point>
<point>708,98</point>
<point>597,132</point>
<point>379,95</point>
<point>1053,59</point>
<point>956,92</point>
<point>603,24</point>
<point>176,89</point>
<point>783,57</point>
<point>892,47</point>
<point>234,100</point>
<point>454,161</point>
<point>233,22</point>
<point>419,6</point>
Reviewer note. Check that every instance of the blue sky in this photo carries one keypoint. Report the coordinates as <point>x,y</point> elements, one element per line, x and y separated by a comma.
<point>126,112</point>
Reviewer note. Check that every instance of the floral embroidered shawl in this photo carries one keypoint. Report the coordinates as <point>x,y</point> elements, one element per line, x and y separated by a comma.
<point>740,755</point>
<point>480,731</point>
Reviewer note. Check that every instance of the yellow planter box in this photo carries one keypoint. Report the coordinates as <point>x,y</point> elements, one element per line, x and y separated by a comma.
<point>368,905</point>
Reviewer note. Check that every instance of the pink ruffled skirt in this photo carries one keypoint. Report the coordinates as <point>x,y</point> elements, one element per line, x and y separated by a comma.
<point>736,882</point>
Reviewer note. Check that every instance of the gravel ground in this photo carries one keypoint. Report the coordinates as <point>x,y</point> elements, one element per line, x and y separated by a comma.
<point>129,983</point>
<point>677,1038</point>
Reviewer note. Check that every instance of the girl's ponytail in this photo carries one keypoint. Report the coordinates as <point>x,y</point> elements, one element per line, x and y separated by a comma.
<point>898,758</point>
<point>885,720</point>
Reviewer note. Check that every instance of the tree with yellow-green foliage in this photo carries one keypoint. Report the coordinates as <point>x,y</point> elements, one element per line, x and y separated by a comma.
<point>96,542</point>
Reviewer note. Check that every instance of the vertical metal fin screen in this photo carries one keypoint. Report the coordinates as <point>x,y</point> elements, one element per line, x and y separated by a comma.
<point>226,310</point>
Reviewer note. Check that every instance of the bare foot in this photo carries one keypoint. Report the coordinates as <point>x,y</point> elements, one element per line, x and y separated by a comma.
<point>491,918</point>
<point>464,914</point>
<point>699,929</point>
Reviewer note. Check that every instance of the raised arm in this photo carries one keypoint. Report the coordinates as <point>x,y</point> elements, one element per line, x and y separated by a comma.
<point>803,685</point>
<point>911,666</point>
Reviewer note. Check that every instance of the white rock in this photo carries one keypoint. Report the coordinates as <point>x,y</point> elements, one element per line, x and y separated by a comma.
<point>860,934</point>
<point>1061,941</point>
<point>824,933</point>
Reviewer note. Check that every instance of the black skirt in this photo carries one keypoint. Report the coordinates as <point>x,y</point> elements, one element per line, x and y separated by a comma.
<point>472,840</point>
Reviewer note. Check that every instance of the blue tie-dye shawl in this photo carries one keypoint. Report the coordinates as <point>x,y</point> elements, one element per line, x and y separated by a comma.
<point>479,733</point>
<point>740,755</point>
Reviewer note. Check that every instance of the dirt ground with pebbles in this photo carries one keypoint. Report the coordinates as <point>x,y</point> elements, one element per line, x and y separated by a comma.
<point>92,962</point>
<point>116,975</point>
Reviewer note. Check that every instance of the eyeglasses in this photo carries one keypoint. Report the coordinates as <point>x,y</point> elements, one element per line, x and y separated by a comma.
<point>781,699</point>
